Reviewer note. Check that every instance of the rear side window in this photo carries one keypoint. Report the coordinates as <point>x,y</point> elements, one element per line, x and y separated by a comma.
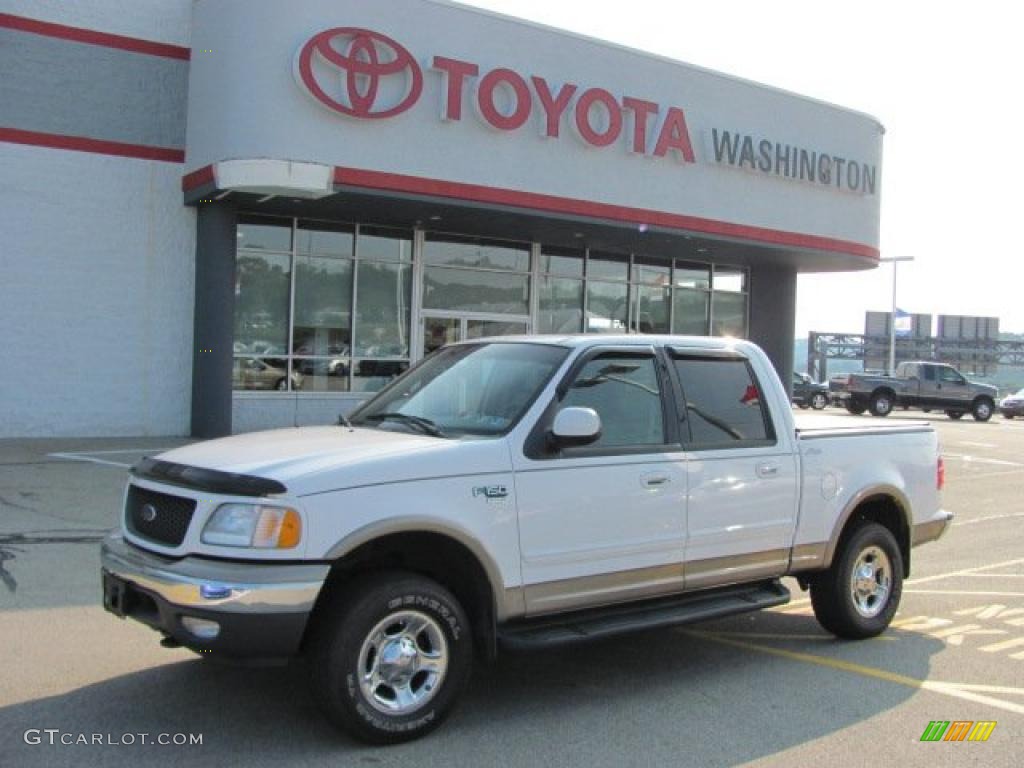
<point>723,403</point>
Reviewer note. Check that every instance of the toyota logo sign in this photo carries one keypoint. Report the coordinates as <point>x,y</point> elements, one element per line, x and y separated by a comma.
<point>359,73</point>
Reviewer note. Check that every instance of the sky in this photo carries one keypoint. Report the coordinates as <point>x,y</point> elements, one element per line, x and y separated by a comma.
<point>945,79</point>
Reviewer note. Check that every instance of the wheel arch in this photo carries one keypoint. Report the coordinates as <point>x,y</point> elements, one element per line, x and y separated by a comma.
<point>443,553</point>
<point>886,505</point>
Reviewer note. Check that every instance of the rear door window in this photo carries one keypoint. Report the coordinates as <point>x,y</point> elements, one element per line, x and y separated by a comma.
<point>723,402</point>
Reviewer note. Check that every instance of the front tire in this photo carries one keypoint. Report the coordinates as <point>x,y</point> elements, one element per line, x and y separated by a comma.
<point>819,401</point>
<point>982,409</point>
<point>858,596</point>
<point>389,661</point>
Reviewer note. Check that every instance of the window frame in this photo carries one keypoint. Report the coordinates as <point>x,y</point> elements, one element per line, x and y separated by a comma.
<point>538,446</point>
<point>672,354</point>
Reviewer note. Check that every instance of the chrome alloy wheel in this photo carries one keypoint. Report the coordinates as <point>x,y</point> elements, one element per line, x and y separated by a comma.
<point>403,662</point>
<point>871,582</point>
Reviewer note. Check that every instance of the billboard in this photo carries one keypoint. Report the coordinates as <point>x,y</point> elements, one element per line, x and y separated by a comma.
<point>913,338</point>
<point>968,342</point>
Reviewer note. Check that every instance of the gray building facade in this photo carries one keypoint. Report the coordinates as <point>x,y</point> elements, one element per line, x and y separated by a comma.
<point>302,202</point>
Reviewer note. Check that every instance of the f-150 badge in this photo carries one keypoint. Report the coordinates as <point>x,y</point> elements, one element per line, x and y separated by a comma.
<point>490,491</point>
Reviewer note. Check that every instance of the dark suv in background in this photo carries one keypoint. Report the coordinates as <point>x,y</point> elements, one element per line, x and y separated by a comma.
<point>807,393</point>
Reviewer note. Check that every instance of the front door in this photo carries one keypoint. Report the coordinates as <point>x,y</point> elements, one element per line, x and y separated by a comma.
<point>440,329</point>
<point>606,522</point>
<point>953,388</point>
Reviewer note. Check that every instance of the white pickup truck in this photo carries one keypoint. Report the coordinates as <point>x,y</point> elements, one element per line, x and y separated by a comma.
<point>519,493</point>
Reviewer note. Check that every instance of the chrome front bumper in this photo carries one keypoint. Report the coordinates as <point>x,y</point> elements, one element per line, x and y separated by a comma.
<point>262,608</point>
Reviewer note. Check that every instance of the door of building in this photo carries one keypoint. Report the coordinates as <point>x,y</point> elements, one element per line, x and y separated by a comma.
<point>438,329</point>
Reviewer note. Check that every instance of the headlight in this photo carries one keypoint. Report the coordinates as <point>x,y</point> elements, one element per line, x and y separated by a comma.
<point>253,525</point>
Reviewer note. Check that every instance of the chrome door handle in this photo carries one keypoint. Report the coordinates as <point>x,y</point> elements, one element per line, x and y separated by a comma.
<point>654,480</point>
<point>767,470</point>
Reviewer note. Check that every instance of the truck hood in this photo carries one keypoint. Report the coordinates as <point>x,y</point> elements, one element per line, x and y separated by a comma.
<point>317,459</point>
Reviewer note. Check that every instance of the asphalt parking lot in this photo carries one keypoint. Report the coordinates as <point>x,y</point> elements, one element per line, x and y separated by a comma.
<point>770,688</point>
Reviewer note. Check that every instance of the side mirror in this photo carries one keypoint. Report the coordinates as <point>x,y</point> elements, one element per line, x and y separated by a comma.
<point>575,426</point>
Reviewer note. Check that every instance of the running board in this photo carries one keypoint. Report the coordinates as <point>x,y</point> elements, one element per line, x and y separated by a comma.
<point>619,619</point>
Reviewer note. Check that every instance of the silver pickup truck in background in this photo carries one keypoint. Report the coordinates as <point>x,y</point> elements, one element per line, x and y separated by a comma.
<point>929,386</point>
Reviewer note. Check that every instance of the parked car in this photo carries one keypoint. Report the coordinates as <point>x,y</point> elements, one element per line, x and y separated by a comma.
<point>519,494</point>
<point>929,386</point>
<point>1012,405</point>
<point>808,393</point>
<point>260,373</point>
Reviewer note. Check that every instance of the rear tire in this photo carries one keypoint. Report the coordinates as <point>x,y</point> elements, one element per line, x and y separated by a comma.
<point>881,404</point>
<point>858,596</point>
<point>390,657</point>
<point>955,415</point>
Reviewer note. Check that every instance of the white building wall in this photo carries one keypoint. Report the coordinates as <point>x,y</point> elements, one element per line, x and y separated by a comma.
<point>162,21</point>
<point>97,262</point>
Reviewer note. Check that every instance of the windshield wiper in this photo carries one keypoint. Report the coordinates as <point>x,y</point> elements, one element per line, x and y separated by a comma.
<point>426,426</point>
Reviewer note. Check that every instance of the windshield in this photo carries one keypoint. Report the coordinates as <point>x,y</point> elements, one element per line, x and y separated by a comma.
<point>467,389</point>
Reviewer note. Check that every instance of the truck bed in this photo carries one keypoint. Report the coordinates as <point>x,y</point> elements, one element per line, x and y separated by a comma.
<point>815,425</point>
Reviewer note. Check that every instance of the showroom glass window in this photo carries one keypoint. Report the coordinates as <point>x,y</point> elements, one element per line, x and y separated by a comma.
<point>729,302</point>
<point>263,272</point>
<point>560,289</point>
<point>299,323</point>
<point>603,292</point>
<point>691,298</point>
<point>476,275</point>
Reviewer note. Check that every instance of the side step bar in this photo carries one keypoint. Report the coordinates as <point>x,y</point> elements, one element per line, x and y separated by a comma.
<point>581,626</point>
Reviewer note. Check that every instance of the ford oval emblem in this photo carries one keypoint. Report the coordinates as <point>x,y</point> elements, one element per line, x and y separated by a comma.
<point>148,513</point>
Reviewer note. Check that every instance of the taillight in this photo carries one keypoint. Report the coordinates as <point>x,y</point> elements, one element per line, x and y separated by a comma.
<point>940,473</point>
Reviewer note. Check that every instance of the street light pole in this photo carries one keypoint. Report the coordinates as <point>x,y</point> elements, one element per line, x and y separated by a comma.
<point>892,318</point>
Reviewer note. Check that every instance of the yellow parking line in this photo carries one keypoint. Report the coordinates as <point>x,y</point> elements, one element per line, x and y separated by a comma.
<point>787,636</point>
<point>948,689</point>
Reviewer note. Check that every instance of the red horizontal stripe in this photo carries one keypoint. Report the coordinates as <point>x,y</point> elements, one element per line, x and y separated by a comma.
<point>98,146</point>
<point>197,178</point>
<point>92,37</point>
<point>394,182</point>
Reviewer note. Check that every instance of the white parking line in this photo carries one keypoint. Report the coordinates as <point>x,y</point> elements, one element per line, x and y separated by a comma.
<point>977,445</point>
<point>940,576</point>
<point>89,459</point>
<point>968,459</point>
<point>960,592</point>
<point>985,519</point>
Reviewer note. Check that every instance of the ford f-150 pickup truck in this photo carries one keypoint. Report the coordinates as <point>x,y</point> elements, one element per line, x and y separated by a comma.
<point>930,386</point>
<point>519,493</point>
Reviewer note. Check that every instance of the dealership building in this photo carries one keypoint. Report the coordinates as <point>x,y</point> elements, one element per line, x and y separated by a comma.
<point>227,215</point>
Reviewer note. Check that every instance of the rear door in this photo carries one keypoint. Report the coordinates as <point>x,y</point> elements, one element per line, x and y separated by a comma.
<point>742,473</point>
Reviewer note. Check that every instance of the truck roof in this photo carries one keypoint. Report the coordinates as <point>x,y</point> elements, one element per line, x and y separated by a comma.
<point>577,340</point>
